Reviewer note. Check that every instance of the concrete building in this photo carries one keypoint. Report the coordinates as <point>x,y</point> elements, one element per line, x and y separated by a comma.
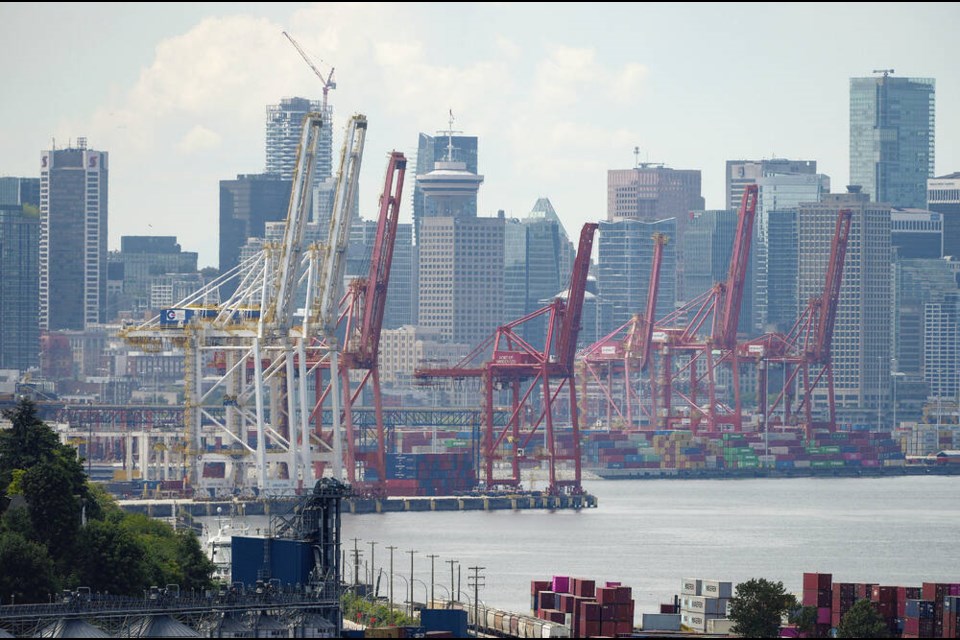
<point>73,237</point>
<point>652,192</point>
<point>141,261</point>
<point>941,347</point>
<point>443,147</point>
<point>943,197</point>
<point>861,339</point>
<point>284,128</point>
<point>461,276</point>
<point>892,138</point>
<point>740,173</point>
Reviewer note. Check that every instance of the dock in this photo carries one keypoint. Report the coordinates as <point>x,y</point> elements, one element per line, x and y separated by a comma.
<point>169,507</point>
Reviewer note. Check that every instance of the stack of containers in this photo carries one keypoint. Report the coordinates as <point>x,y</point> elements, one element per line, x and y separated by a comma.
<point>885,601</point>
<point>818,592</point>
<point>844,597</point>
<point>918,621</point>
<point>430,474</point>
<point>588,611</point>
<point>951,617</point>
<point>703,600</point>
<point>938,593</point>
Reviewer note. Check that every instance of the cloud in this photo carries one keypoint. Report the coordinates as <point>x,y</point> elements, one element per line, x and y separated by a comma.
<point>199,138</point>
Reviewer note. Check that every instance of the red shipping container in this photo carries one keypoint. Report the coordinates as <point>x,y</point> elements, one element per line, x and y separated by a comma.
<point>911,626</point>
<point>817,581</point>
<point>824,615</point>
<point>884,594</point>
<point>536,586</point>
<point>608,629</point>
<point>608,612</point>
<point>561,584</point>
<point>588,628</point>
<point>584,588</point>
<point>612,584</point>
<point>589,610</point>
<point>547,600</point>
<point>606,595</point>
<point>624,595</point>
<point>625,627</point>
<point>817,598</point>
<point>668,607</point>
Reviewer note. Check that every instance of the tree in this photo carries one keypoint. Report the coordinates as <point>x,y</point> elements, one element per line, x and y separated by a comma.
<point>28,574</point>
<point>111,558</point>
<point>805,619</point>
<point>862,621</point>
<point>758,606</point>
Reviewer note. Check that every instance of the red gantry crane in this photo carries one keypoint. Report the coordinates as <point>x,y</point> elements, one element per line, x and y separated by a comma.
<point>529,375</point>
<point>361,317</point>
<point>704,356</point>
<point>617,359</point>
<point>808,344</point>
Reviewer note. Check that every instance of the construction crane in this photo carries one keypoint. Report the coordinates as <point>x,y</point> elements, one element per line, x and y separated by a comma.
<point>327,82</point>
<point>513,362</point>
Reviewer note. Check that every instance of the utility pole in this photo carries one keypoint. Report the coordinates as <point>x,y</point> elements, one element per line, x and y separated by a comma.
<point>356,562</point>
<point>432,557</point>
<point>411,552</point>
<point>391,547</point>
<point>451,563</point>
<point>373,567</point>
<point>476,594</point>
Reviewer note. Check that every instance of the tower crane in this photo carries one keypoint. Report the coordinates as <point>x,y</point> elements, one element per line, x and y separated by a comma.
<point>327,82</point>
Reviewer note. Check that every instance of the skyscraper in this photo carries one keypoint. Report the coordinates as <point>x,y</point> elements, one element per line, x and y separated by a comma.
<point>246,204</point>
<point>17,191</point>
<point>943,196</point>
<point>892,138</point>
<point>284,128</point>
<point>19,287</point>
<point>442,148</point>
<point>73,237</point>
<point>652,192</point>
<point>740,173</point>
<point>623,265</point>
<point>861,337</point>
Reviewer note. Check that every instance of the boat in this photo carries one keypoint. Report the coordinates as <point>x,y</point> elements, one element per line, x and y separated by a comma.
<point>218,546</point>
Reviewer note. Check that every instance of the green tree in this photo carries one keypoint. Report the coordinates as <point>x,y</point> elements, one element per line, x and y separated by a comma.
<point>862,620</point>
<point>758,606</point>
<point>28,574</point>
<point>805,619</point>
<point>110,558</point>
<point>54,508</point>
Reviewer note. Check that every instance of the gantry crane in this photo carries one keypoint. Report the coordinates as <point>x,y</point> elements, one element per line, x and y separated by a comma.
<point>514,362</point>
<point>619,357</point>
<point>362,311</point>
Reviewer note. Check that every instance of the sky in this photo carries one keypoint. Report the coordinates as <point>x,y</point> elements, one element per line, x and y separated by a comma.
<point>558,94</point>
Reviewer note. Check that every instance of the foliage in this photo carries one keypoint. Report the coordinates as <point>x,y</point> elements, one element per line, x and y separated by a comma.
<point>45,499</point>
<point>373,614</point>
<point>805,618</point>
<point>28,574</point>
<point>862,620</point>
<point>758,606</point>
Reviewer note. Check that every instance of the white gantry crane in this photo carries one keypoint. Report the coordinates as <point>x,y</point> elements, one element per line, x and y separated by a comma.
<point>247,359</point>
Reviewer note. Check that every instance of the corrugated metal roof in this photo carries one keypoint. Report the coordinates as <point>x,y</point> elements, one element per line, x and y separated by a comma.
<point>160,626</point>
<point>72,628</point>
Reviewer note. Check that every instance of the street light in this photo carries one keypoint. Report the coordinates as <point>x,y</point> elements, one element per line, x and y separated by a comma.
<point>895,374</point>
<point>427,599</point>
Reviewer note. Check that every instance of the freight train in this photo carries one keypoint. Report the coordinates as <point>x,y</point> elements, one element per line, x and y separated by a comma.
<point>514,625</point>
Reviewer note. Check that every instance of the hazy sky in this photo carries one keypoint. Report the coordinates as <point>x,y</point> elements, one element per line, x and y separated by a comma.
<point>557,93</point>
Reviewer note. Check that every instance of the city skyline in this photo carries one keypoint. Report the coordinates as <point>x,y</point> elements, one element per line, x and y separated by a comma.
<point>177,98</point>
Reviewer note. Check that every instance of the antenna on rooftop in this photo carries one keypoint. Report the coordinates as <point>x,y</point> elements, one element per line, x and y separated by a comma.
<point>636,157</point>
<point>449,133</point>
<point>885,72</point>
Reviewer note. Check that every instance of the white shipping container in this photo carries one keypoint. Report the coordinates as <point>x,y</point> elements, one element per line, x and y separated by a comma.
<point>720,626</point>
<point>703,604</point>
<point>695,621</point>
<point>716,589</point>
<point>690,587</point>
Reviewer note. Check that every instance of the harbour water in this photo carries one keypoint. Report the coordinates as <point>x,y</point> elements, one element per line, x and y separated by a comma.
<point>648,534</point>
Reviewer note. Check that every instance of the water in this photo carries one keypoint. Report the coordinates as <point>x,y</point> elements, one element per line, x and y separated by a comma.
<point>648,534</point>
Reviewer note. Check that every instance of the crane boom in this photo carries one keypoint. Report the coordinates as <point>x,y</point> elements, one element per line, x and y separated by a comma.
<point>831,290</point>
<point>725,333</point>
<point>334,261</point>
<point>567,345</point>
<point>328,82</point>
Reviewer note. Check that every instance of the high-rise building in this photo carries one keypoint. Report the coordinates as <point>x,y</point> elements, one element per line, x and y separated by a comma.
<point>918,282</point>
<point>943,197</point>
<point>892,138</point>
<point>778,191</point>
<point>246,204</point>
<point>402,290</point>
<point>861,337</point>
<point>19,287</point>
<point>73,237</point>
<point>625,255</point>
<point>461,276</point>
<point>652,192</point>
<point>916,233</point>
<point>741,173</point>
<point>941,347</point>
<point>17,191</point>
<point>284,129</point>
<point>709,237</point>
<point>442,148</point>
